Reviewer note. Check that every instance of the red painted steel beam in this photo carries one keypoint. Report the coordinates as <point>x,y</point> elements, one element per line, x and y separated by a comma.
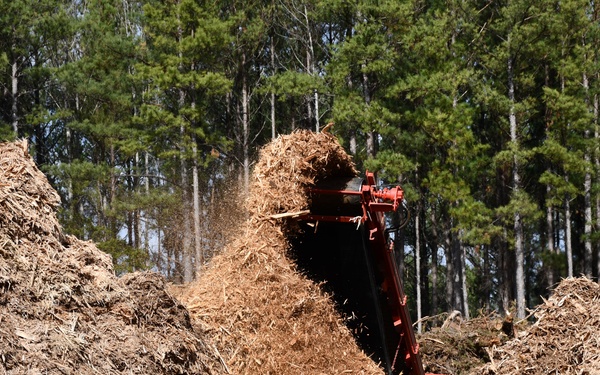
<point>374,203</point>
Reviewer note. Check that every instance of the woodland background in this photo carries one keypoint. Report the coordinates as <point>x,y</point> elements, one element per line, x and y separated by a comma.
<point>147,116</point>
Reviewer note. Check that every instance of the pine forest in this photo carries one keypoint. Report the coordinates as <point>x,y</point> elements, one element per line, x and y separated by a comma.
<point>147,117</point>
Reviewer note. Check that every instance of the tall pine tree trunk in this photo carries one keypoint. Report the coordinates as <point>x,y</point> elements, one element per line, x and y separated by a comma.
<point>550,236</point>
<point>146,218</point>
<point>274,68</point>
<point>197,213</point>
<point>568,244</point>
<point>449,269</point>
<point>312,70</point>
<point>463,275</point>
<point>245,125</point>
<point>418,266</point>
<point>188,267</point>
<point>14,113</point>
<point>587,193</point>
<point>371,135</point>
<point>507,279</point>
<point>434,263</point>
<point>518,225</point>
<point>597,164</point>
<point>458,294</point>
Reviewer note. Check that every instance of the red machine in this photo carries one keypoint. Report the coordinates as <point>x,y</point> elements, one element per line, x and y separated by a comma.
<point>358,204</point>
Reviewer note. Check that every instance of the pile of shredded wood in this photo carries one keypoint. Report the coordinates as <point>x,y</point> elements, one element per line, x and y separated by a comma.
<point>563,340</point>
<point>458,346</point>
<point>263,315</point>
<point>62,309</point>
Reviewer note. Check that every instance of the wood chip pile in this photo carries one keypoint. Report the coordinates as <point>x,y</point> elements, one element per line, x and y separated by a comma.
<point>564,340</point>
<point>263,315</point>
<point>458,346</point>
<point>62,309</point>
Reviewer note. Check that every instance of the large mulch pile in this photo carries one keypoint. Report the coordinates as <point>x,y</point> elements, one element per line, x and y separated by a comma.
<point>263,315</point>
<point>62,309</point>
<point>565,339</point>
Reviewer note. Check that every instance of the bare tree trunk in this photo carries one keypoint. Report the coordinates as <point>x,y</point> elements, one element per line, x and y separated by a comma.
<point>587,193</point>
<point>310,66</point>
<point>487,279</point>
<point>137,218</point>
<point>597,164</point>
<point>399,242</point>
<point>518,225</point>
<point>457,275</point>
<point>196,192</point>
<point>418,265</point>
<point>147,191</point>
<point>352,146</point>
<point>188,267</point>
<point>549,267</point>
<point>15,97</point>
<point>371,135</point>
<point>449,269</point>
<point>463,273</point>
<point>434,264</point>
<point>550,233</point>
<point>274,68</point>
<point>596,139</point>
<point>568,245</point>
<point>245,125</point>
<point>506,275</point>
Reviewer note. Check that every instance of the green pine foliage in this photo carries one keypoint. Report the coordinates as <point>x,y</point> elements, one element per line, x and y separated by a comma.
<point>125,101</point>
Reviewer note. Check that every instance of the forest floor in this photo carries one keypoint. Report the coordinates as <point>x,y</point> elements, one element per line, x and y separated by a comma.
<point>63,311</point>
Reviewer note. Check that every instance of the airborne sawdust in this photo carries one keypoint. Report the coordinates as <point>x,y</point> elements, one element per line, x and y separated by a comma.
<point>62,309</point>
<point>263,315</point>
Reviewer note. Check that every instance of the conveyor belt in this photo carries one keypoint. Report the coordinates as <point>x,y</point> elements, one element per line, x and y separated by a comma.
<point>347,248</point>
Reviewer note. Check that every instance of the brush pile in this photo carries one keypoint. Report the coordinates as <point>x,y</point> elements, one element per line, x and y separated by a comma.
<point>563,340</point>
<point>62,309</point>
<point>262,314</point>
<point>458,346</point>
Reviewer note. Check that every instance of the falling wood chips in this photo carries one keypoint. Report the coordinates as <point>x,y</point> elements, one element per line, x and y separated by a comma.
<point>262,314</point>
<point>62,309</point>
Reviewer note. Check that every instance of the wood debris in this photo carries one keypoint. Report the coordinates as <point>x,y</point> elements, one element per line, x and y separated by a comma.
<point>263,315</point>
<point>62,309</point>
<point>563,340</point>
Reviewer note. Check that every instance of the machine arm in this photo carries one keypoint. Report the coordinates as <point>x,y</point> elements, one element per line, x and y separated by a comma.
<point>359,201</point>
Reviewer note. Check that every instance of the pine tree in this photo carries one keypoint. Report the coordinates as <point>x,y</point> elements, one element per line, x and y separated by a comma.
<point>181,78</point>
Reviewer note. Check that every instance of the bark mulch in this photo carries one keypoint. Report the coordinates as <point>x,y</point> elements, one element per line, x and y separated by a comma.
<point>565,339</point>
<point>457,346</point>
<point>63,310</point>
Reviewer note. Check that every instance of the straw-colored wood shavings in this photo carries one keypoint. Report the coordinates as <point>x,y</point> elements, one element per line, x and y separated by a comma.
<point>263,315</point>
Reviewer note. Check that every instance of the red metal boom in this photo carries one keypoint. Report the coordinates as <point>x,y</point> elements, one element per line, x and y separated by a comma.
<point>374,202</point>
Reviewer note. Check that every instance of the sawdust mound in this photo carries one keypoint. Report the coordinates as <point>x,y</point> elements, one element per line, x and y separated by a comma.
<point>62,309</point>
<point>264,316</point>
<point>564,339</point>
